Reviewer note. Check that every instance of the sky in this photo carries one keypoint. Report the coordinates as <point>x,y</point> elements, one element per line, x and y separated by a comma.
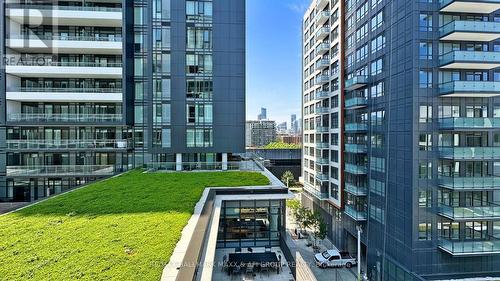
<point>274,58</point>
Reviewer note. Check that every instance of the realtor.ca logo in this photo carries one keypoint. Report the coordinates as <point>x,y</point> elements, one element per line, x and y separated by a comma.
<point>31,25</point>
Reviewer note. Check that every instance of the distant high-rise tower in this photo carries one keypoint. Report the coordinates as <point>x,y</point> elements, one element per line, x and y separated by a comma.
<point>294,124</point>
<point>263,114</point>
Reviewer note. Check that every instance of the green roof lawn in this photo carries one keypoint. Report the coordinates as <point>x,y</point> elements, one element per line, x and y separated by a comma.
<point>124,228</point>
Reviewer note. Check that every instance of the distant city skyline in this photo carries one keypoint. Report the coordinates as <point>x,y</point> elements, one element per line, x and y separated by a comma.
<point>274,58</point>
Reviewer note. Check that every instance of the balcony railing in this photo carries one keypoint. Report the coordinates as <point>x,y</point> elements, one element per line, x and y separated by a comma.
<point>70,64</point>
<point>322,129</point>
<point>64,90</point>
<point>469,152</point>
<point>470,248</point>
<point>355,169</point>
<point>355,214</point>
<point>321,79</point>
<point>356,102</point>
<point>356,190</point>
<point>490,28</point>
<point>355,148</point>
<point>91,118</point>
<point>66,144</point>
<point>63,8</point>
<point>321,95</point>
<point>470,60</point>
<point>470,183</point>
<point>322,17</point>
<point>321,110</point>
<point>322,177</point>
<point>322,161</point>
<point>322,145</point>
<point>68,170</point>
<point>107,38</point>
<point>204,166</point>
<point>356,127</point>
<point>470,213</point>
<point>469,123</point>
<point>356,82</point>
<point>470,87</point>
<point>322,33</point>
<point>316,193</point>
<point>322,49</point>
<point>322,64</point>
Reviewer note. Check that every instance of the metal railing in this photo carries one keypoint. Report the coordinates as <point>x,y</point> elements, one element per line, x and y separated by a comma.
<point>469,122</point>
<point>463,248</point>
<point>68,64</point>
<point>470,26</point>
<point>104,38</point>
<point>472,183</point>
<point>204,166</point>
<point>63,8</point>
<point>469,213</point>
<point>64,170</point>
<point>28,117</point>
<point>469,152</point>
<point>67,144</point>
<point>65,90</point>
<point>355,214</point>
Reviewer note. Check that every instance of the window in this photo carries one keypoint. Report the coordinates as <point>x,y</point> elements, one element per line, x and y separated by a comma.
<point>425,22</point>
<point>425,170</point>
<point>425,114</point>
<point>425,198</point>
<point>377,140</point>
<point>425,79</point>
<point>334,191</point>
<point>377,164</point>
<point>377,90</point>
<point>425,50</point>
<point>377,20</point>
<point>378,43</point>
<point>376,67</point>
<point>425,142</point>
<point>424,231</point>
<point>377,187</point>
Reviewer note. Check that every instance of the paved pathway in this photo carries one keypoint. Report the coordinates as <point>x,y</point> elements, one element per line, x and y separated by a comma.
<point>7,207</point>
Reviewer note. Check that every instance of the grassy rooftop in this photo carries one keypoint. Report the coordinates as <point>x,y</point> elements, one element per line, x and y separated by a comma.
<point>124,228</point>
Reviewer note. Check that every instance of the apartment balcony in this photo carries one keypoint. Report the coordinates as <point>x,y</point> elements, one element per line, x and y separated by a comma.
<point>356,102</point>
<point>322,145</point>
<point>322,49</point>
<point>65,15</point>
<point>484,31</point>
<point>40,119</point>
<point>61,171</point>
<point>469,123</point>
<point>105,45</point>
<point>321,177</point>
<point>322,64</point>
<point>321,95</point>
<point>470,60</point>
<point>470,89</point>
<point>322,79</point>
<point>470,183</point>
<point>356,190</point>
<point>470,248</point>
<point>321,4</point>
<point>75,144</point>
<point>490,212</point>
<point>322,129</point>
<point>469,153</point>
<point>322,17</point>
<point>67,70</point>
<point>314,192</point>
<point>355,148</point>
<point>355,169</point>
<point>322,161</point>
<point>469,6</point>
<point>35,94</point>
<point>321,110</point>
<point>322,33</point>
<point>355,214</point>
<point>356,127</point>
<point>355,83</point>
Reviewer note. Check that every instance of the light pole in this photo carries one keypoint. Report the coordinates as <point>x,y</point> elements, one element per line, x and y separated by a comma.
<point>360,230</point>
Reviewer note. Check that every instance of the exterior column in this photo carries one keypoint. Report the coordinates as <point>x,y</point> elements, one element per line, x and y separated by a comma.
<point>10,192</point>
<point>178,162</point>
<point>32,193</point>
<point>224,161</point>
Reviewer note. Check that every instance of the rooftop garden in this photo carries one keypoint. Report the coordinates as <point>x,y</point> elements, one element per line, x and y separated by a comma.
<point>282,145</point>
<point>123,228</point>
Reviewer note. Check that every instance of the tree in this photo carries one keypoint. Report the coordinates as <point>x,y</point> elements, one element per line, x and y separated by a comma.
<point>318,227</point>
<point>288,178</point>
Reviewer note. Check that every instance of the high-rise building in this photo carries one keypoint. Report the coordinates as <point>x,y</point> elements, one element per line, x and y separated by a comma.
<point>282,127</point>
<point>416,89</point>
<point>260,133</point>
<point>294,124</point>
<point>92,88</point>
<point>263,114</point>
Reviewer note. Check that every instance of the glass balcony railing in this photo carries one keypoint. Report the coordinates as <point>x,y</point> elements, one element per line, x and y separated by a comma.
<point>321,110</point>
<point>355,148</point>
<point>322,48</point>
<point>204,166</point>
<point>316,193</point>
<point>469,123</point>
<point>469,152</point>
<point>68,170</point>
<point>29,62</point>
<point>321,79</point>
<point>355,169</point>
<point>321,95</point>
<point>470,57</point>
<point>322,129</point>
<point>322,161</point>
<point>322,64</point>
<point>470,27</point>
<point>469,183</point>
<point>67,144</point>
<point>42,37</point>
<point>356,102</point>
<point>356,190</point>
<point>470,248</point>
<point>63,8</point>
<point>322,17</point>
<point>323,32</point>
<point>470,87</point>
<point>470,213</point>
<point>64,90</point>
<point>356,127</point>
<point>91,118</point>
<point>356,82</point>
<point>355,214</point>
<point>322,145</point>
<point>321,177</point>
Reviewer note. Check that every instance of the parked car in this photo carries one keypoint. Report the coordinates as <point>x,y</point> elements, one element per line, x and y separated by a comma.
<point>334,258</point>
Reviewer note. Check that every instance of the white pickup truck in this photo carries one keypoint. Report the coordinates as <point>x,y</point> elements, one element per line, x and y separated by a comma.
<point>334,258</point>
